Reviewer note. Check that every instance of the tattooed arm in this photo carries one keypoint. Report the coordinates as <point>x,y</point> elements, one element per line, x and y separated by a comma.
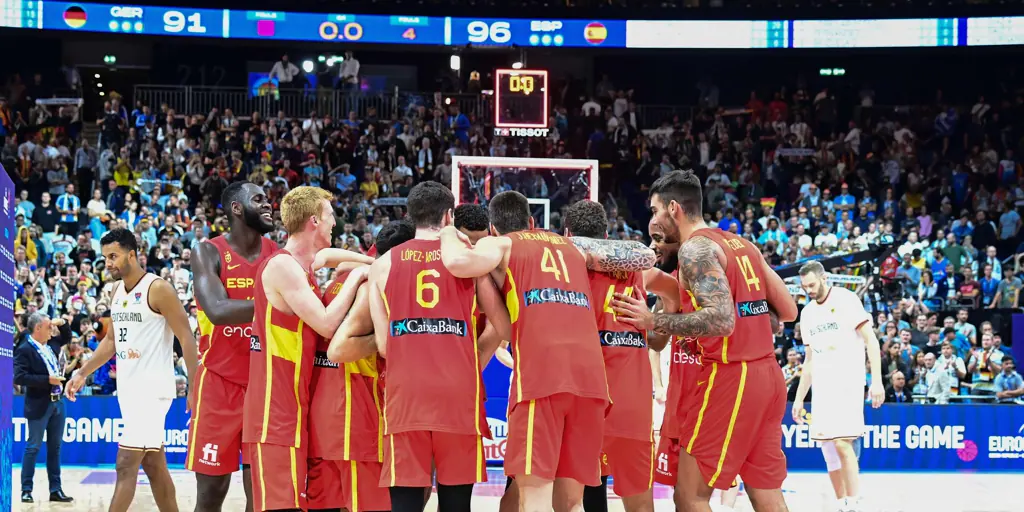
<point>701,270</point>
<point>614,255</point>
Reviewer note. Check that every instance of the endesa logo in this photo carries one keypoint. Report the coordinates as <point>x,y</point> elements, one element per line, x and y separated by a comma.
<point>622,339</point>
<point>556,296</point>
<point>752,308</point>
<point>428,326</point>
<point>254,344</point>
<point>237,330</point>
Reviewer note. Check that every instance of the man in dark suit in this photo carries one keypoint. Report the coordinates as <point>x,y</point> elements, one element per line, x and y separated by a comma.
<point>898,392</point>
<point>37,369</point>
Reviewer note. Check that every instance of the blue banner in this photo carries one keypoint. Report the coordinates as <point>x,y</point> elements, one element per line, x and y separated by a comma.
<point>900,437</point>
<point>7,330</point>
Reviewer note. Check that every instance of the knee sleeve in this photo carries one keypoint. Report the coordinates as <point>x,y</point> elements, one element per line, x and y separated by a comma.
<point>832,462</point>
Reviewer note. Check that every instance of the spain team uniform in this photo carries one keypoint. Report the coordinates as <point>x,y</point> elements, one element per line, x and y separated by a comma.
<point>740,394</point>
<point>628,436</point>
<point>559,392</point>
<point>682,379</point>
<point>433,393</point>
<point>274,428</point>
<point>215,429</point>
<point>345,447</point>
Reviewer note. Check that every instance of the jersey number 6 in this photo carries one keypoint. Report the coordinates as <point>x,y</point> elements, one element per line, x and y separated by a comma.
<point>422,286</point>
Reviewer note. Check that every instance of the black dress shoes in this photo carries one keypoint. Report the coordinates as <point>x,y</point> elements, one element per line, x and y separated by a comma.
<point>60,497</point>
<point>26,497</point>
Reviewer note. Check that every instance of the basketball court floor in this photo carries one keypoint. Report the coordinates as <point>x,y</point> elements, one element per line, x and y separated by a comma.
<point>805,492</point>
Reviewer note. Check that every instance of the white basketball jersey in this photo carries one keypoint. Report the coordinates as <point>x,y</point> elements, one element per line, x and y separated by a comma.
<point>830,330</point>
<point>143,343</point>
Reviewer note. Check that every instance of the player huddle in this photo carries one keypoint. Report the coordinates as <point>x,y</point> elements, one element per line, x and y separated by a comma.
<point>358,397</point>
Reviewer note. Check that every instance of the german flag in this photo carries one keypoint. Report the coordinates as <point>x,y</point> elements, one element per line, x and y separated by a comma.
<point>75,16</point>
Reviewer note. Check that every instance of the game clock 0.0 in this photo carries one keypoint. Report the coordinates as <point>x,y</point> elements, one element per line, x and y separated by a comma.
<point>521,98</point>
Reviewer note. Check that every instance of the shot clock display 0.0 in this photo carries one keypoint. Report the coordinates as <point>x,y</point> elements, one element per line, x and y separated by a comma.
<point>520,101</point>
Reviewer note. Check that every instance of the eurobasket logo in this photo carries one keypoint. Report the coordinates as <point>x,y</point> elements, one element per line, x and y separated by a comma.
<point>75,17</point>
<point>1007,447</point>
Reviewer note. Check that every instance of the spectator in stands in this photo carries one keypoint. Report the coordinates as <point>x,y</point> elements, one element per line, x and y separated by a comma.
<point>1008,292</point>
<point>1009,385</point>
<point>285,72</point>
<point>897,391</point>
<point>985,363</point>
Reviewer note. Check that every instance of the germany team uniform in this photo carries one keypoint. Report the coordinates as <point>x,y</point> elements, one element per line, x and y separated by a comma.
<point>740,394</point>
<point>345,447</point>
<point>277,401</point>
<point>433,393</point>
<point>559,392</point>
<point>628,437</point>
<point>215,430</point>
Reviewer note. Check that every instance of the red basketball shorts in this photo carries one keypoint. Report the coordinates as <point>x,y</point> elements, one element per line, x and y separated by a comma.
<point>278,476</point>
<point>559,436</point>
<point>667,465</point>
<point>631,462</point>
<point>459,459</point>
<point>215,429</point>
<point>354,486</point>
<point>737,429</point>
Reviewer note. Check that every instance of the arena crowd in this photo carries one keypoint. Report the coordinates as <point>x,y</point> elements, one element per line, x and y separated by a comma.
<point>938,186</point>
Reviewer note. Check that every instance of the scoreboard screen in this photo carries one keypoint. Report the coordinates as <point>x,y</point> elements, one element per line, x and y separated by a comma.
<point>521,102</point>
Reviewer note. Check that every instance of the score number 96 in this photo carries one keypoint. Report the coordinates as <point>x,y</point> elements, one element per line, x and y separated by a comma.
<point>176,21</point>
<point>498,32</point>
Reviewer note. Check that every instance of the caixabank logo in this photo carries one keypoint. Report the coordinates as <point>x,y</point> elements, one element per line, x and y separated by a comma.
<point>408,326</point>
<point>556,296</point>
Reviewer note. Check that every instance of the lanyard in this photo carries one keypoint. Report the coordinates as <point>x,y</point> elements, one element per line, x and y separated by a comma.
<point>51,363</point>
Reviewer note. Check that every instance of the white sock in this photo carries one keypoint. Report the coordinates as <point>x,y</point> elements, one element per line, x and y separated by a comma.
<point>841,503</point>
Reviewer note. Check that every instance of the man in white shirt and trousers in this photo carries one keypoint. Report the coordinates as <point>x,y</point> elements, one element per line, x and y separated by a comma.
<point>146,315</point>
<point>285,72</point>
<point>836,331</point>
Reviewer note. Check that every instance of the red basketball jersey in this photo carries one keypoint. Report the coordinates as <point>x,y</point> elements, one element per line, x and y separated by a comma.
<point>683,372</point>
<point>280,368</point>
<point>554,336</point>
<point>224,349</point>
<point>344,416</point>
<point>626,363</point>
<point>434,380</point>
<point>752,338</point>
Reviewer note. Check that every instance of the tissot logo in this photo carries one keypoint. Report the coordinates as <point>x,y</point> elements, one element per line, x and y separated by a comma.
<point>556,295</point>
<point>321,361</point>
<point>622,339</point>
<point>255,345</point>
<point>428,326</point>
<point>752,308</point>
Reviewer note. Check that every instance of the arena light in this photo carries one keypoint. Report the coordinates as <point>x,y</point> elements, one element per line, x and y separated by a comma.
<point>455,62</point>
<point>517,65</point>
<point>102,93</point>
<point>321,59</point>
<point>99,85</point>
<point>97,75</point>
<point>307,66</point>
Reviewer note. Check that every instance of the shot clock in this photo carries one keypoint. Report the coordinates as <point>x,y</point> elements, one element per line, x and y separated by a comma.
<point>521,102</point>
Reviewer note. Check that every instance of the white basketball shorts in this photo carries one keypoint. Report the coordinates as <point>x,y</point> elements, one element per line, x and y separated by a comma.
<point>143,422</point>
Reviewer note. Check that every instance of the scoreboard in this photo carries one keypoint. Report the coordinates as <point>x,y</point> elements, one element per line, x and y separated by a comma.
<point>521,102</point>
<point>523,32</point>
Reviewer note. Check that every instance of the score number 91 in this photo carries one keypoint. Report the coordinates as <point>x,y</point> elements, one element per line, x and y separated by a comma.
<point>498,32</point>
<point>176,21</point>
